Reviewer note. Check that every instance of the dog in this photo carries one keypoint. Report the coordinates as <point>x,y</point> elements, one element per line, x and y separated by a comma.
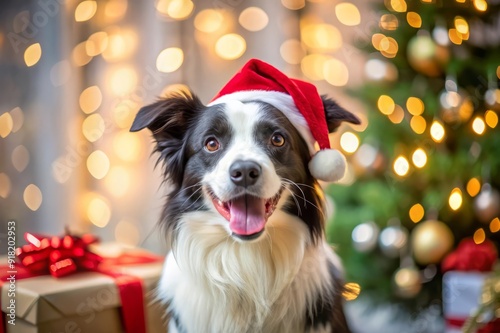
<point>245,216</point>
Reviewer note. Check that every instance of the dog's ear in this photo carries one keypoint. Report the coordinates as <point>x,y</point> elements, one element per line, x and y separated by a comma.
<point>335,114</point>
<point>168,119</point>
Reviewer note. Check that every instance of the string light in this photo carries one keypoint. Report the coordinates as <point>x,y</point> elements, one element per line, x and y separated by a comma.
<point>85,10</point>
<point>335,72</point>
<point>401,166</point>
<point>418,124</point>
<point>230,46</point>
<point>208,20</point>
<point>478,125</point>
<point>491,118</point>
<point>169,60</point>
<point>386,104</point>
<point>292,51</point>
<point>419,158</point>
<point>473,187</point>
<point>32,54</point>
<point>455,199</point>
<point>416,213</point>
<point>90,99</point>
<point>32,197</point>
<point>349,142</point>
<point>437,131</point>
<point>347,14</point>
<point>479,236</point>
<point>98,164</point>
<point>414,19</point>
<point>495,225</point>
<point>351,291</point>
<point>5,185</point>
<point>6,124</point>
<point>253,19</point>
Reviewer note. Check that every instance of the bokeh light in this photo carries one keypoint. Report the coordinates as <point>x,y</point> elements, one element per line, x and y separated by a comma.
<point>122,80</point>
<point>20,158</point>
<point>491,118</point>
<point>169,60</point>
<point>455,199</point>
<point>93,127</point>
<point>416,213</point>
<point>292,51</point>
<point>118,181</point>
<point>349,142</point>
<point>419,158</point>
<point>437,131</point>
<point>230,46</point>
<point>415,106</point>
<point>351,291</point>
<point>347,14</point>
<point>479,236</point>
<point>96,43</point>
<point>253,19</point>
<point>17,117</point>
<point>335,72</point>
<point>32,197</point>
<point>79,55</point>
<point>398,115</point>
<point>313,65</point>
<point>90,99</point>
<point>386,104</point>
<point>85,10</point>
<point>6,124</point>
<point>176,9</point>
<point>99,211</point>
<point>401,166</point>
<point>122,43</point>
<point>418,124</point>
<point>293,4</point>
<point>32,54</point>
<point>127,146</point>
<point>5,185</point>
<point>321,37</point>
<point>478,125</point>
<point>473,187</point>
<point>208,20</point>
<point>414,19</point>
<point>495,225</point>
<point>98,164</point>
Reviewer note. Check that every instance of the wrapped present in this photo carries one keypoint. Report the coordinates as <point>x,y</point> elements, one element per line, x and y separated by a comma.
<point>66,288</point>
<point>467,271</point>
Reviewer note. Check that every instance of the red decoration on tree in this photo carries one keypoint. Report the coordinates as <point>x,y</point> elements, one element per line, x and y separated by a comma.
<point>469,256</point>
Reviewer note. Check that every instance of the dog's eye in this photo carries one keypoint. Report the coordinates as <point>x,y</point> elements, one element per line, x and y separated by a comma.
<point>277,140</point>
<point>211,144</point>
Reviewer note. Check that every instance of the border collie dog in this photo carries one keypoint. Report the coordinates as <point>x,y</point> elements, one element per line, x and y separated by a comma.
<point>245,216</point>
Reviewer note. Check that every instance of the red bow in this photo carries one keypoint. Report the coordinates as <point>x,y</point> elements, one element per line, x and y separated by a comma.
<point>58,256</point>
<point>469,256</point>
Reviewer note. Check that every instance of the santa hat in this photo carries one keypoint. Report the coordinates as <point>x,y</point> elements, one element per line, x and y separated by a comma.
<point>300,103</point>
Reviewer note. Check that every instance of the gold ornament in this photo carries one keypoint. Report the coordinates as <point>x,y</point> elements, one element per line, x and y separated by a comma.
<point>427,57</point>
<point>431,240</point>
<point>407,282</point>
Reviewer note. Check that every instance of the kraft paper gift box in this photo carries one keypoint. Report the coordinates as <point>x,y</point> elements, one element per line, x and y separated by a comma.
<point>81,302</point>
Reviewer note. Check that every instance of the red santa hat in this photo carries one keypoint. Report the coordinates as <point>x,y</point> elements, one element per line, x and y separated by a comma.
<point>300,103</point>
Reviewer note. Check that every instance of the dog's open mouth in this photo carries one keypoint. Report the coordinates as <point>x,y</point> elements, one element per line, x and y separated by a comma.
<point>247,214</point>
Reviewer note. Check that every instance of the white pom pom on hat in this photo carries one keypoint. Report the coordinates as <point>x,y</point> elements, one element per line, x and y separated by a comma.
<point>300,103</point>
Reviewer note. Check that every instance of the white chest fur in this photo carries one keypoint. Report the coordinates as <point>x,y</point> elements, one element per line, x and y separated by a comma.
<point>216,284</point>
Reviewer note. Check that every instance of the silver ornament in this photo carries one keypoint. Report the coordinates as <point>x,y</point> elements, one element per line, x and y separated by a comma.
<point>487,204</point>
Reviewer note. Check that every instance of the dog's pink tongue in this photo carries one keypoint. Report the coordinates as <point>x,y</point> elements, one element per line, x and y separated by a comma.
<point>247,215</point>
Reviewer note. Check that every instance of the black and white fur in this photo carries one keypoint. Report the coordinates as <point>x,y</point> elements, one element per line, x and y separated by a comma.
<point>288,279</point>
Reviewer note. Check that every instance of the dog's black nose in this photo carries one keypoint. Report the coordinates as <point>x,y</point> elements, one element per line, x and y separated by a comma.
<point>245,173</point>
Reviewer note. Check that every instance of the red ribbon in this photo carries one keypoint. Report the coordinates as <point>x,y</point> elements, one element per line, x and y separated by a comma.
<point>61,256</point>
<point>469,256</point>
<point>491,327</point>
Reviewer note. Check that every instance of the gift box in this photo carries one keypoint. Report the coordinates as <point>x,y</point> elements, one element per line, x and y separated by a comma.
<point>461,295</point>
<point>468,270</point>
<point>88,301</point>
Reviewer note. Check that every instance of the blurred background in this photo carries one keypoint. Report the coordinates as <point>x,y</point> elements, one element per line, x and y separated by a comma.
<point>424,166</point>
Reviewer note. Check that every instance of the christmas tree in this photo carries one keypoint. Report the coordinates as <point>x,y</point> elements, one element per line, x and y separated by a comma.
<point>425,173</point>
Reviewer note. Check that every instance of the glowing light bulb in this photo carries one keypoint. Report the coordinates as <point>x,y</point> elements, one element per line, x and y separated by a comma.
<point>455,199</point>
<point>416,213</point>
<point>349,142</point>
<point>401,166</point>
<point>478,125</point>
<point>437,131</point>
<point>419,158</point>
